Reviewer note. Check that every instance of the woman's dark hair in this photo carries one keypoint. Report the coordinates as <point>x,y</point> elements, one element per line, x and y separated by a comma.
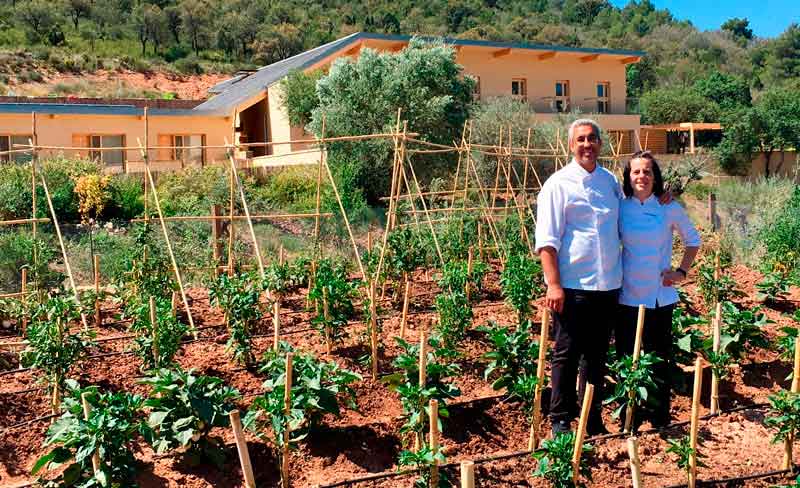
<point>658,180</point>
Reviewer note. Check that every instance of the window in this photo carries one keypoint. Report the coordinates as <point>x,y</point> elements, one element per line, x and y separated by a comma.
<point>187,150</point>
<point>561,100</point>
<point>8,142</point>
<point>519,88</point>
<point>602,97</point>
<point>113,157</point>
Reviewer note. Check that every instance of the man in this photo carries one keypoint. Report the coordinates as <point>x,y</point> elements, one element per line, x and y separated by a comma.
<point>577,238</point>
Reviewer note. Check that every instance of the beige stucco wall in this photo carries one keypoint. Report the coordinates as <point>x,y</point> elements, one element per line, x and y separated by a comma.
<point>58,130</point>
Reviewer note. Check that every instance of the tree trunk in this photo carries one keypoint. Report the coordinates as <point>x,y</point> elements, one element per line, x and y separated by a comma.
<point>767,156</point>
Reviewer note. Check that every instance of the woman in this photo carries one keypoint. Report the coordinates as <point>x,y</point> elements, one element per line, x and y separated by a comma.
<point>646,229</point>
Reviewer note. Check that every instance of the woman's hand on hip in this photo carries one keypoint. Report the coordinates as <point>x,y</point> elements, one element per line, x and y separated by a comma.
<point>670,277</point>
<point>554,299</point>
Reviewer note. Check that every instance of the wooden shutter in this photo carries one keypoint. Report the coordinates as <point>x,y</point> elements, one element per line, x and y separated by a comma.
<point>164,140</point>
<point>81,140</point>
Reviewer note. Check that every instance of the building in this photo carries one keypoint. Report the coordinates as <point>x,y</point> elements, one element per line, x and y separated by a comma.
<point>246,108</point>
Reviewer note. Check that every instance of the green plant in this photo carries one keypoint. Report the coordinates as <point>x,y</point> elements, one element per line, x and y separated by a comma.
<point>405,252</point>
<point>786,342</point>
<point>713,289</point>
<point>183,410</point>
<point>774,287</point>
<point>333,295</point>
<point>415,397</point>
<point>50,346</point>
<point>108,432</point>
<point>555,461</point>
<point>633,382</point>
<point>512,361</point>
<point>169,333</point>
<point>688,339</point>
<point>521,280</point>
<point>785,415</point>
<point>423,461</point>
<point>455,317</point>
<point>317,389</point>
<point>742,330</point>
<point>720,362</point>
<point>682,448</point>
<point>238,296</point>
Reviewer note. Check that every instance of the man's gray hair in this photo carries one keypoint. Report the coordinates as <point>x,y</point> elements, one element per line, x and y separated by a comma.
<point>582,122</point>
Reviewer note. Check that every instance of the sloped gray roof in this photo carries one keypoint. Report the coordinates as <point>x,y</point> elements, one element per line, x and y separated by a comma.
<point>239,89</point>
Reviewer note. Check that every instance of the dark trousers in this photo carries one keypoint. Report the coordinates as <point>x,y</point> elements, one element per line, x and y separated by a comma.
<point>582,334</point>
<point>657,339</point>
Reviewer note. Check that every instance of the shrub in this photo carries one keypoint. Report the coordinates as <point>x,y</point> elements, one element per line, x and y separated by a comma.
<point>781,238</point>
<point>17,248</point>
<point>238,296</point>
<point>93,195</point>
<point>126,201</point>
<point>189,65</point>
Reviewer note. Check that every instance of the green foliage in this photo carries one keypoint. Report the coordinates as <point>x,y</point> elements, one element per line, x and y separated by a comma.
<point>785,415</point>
<point>633,383</point>
<point>423,462</point>
<point>688,340</point>
<point>169,333</point>
<point>680,173</point>
<point>512,361</point>
<point>299,95</point>
<point>720,362</point>
<point>714,289</point>
<point>50,346</point>
<point>785,343</point>
<point>317,389</point>
<point>456,275</point>
<point>781,237</point>
<point>773,288</point>
<point>238,296</point>
<point>727,91</point>
<point>415,398</point>
<point>682,448</point>
<point>109,431</point>
<point>521,280</point>
<point>555,461</point>
<point>404,251</point>
<point>455,317</point>
<point>743,330</point>
<point>17,249</point>
<point>183,410</point>
<point>677,104</point>
<point>331,287</point>
<point>739,28</point>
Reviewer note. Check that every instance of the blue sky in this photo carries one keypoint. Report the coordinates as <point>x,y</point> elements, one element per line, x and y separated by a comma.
<point>768,18</point>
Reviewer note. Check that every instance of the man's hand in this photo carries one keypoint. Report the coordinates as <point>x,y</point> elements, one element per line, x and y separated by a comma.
<point>554,299</point>
<point>670,277</point>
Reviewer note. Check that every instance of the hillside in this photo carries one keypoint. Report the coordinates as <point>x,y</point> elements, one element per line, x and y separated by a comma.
<point>220,36</point>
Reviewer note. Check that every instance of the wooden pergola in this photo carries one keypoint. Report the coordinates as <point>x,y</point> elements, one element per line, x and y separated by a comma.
<point>691,127</point>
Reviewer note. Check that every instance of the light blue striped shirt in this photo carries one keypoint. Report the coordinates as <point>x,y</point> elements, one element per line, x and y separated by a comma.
<point>647,229</point>
<point>577,213</point>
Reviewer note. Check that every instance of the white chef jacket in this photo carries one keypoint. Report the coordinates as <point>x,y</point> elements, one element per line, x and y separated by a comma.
<point>577,213</point>
<point>646,230</point>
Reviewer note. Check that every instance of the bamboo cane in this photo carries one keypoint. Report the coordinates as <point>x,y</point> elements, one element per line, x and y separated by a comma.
<point>276,321</point>
<point>717,324</point>
<point>373,329</point>
<point>633,454</point>
<point>287,406</point>
<point>87,411</point>
<point>423,370</point>
<point>174,303</point>
<point>470,254</point>
<point>581,432</point>
<point>533,440</point>
<point>637,350</point>
<point>317,199</point>
<point>327,316</point>
<point>154,325</point>
<point>24,292</point>
<point>698,385</point>
<point>241,447</point>
<point>467,474</point>
<point>788,444</point>
<point>97,319</point>
<point>433,420</point>
<point>404,317</point>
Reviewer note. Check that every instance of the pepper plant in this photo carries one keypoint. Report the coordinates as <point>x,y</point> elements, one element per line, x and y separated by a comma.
<point>109,432</point>
<point>183,410</point>
<point>405,252</point>
<point>634,382</point>
<point>169,332</point>
<point>713,289</point>
<point>682,448</point>
<point>423,461</point>
<point>455,316</point>
<point>50,346</point>
<point>521,280</point>
<point>774,287</point>
<point>456,275</point>
<point>512,361</point>
<point>238,296</point>
<point>414,397</point>
<point>332,291</point>
<point>743,330</point>
<point>555,461</point>
<point>688,338</point>
<point>784,415</point>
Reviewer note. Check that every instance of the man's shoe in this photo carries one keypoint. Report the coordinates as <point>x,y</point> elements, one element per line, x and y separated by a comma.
<point>560,427</point>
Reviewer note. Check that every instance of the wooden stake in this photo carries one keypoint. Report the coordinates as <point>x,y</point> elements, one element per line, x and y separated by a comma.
<point>637,350</point>
<point>24,290</point>
<point>241,446</point>
<point>788,444</point>
<point>276,321</point>
<point>633,454</point>
<point>287,406</point>
<point>87,410</point>
<point>319,184</point>
<point>698,385</point>
<point>423,371</point>
<point>373,329</point>
<point>369,241</point>
<point>467,474</point>
<point>717,324</point>
<point>581,432</point>
<point>97,318</point>
<point>533,440</point>
<point>154,325</point>
<point>326,314</point>
<point>175,300</point>
<point>470,253</point>
<point>216,233</point>
<point>433,417</point>
<point>404,317</point>
<point>480,240</point>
